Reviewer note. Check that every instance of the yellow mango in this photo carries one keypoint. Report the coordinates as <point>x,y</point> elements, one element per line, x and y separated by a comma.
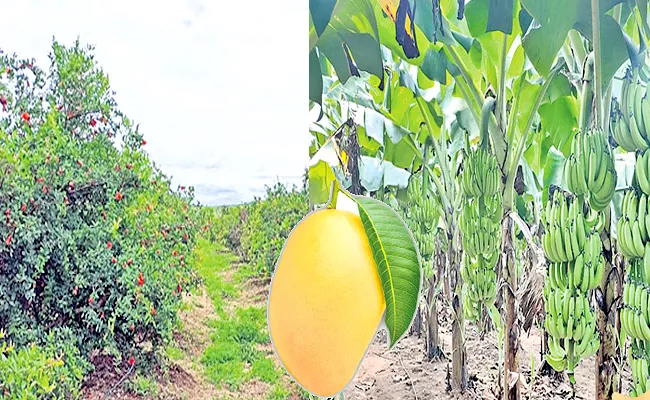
<point>325,301</point>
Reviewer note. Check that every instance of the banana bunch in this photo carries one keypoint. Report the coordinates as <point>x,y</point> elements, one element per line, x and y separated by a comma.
<point>567,228</point>
<point>421,215</point>
<point>631,124</point>
<point>480,223</point>
<point>480,174</point>
<point>633,227</point>
<point>589,170</point>
<point>584,273</point>
<point>573,246</point>
<point>571,326</point>
<point>639,356</point>
<point>636,300</point>
<point>642,171</point>
<point>480,278</point>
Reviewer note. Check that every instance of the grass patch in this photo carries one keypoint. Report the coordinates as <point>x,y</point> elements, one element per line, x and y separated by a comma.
<point>143,386</point>
<point>210,263</point>
<point>233,357</point>
<point>174,353</point>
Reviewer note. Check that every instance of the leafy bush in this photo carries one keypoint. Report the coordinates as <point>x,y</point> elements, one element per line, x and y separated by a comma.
<point>34,372</point>
<point>93,238</point>
<point>268,222</point>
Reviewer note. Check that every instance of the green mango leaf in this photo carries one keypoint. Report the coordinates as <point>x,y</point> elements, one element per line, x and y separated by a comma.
<point>398,263</point>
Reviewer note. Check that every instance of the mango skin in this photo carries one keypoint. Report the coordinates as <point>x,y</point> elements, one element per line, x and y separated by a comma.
<point>326,301</point>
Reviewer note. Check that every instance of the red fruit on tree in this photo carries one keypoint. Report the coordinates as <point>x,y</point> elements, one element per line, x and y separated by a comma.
<point>75,290</point>
<point>174,253</point>
<point>8,241</point>
<point>118,196</point>
<point>45,189</point>
<point>81,163</point>
<point>90,300</point>
<point>23,208</point>
<point>40,180</point>
<point>140,279</point>
<point>129,166</point>
<point>26,116</point>
<point>131,360</point>
<point>153,311</point>
<point>144,142</point>
<point>93,122</point>
<point>60,107</point>
<point>3,101</point>
<point>129,261</point>
<point>104,214</point>
<point>109,245</point>
<point>8,71</point>
<point>113,260</point>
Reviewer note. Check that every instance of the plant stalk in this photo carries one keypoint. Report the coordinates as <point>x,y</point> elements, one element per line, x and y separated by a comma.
<point>587,97</point>
<point>577,46</point>
<point>508,198</point>
<point>598,68</point>
<point>501,97</point>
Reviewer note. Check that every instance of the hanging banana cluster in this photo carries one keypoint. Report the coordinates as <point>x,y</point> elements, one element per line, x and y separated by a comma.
<point>635,319</point>
<point>480,224</point>
<point>421,215</point>
<point>481,174</point>
<point>629,127</point>
<point>589,170</point>
<point>638,359</point>
<point>573,248</point>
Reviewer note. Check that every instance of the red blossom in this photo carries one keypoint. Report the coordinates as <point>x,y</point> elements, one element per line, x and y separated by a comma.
<point>131,360</point>
<point>93,122</point>
<point>3,101</point>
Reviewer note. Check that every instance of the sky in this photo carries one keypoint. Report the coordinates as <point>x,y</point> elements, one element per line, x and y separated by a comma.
<point>219,88</point>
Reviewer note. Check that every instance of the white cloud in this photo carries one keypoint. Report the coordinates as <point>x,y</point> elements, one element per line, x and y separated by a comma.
<point>211,83</point>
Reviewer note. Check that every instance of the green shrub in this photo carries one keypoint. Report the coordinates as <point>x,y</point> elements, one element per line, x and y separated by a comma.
<point>268,222</point>
<point>34,372</point>
<point>93,239</point>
